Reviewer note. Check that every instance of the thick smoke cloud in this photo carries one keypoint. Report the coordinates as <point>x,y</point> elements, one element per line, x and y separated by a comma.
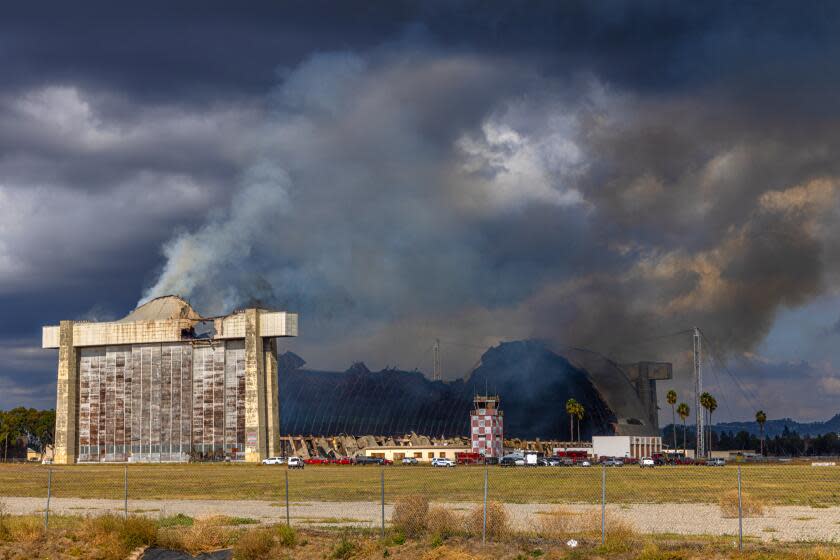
<point>410,193</point>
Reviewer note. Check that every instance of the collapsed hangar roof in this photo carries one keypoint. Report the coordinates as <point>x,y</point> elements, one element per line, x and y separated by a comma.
<point>162,308</point>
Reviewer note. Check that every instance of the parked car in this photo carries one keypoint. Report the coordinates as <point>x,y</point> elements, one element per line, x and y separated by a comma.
<point>512,460</point>
<point>612,462</point>
<point>553,462</point>
<point>409,461</point>
<point>716,462</point>
<point>274,461</point>
<point>647,462</point>
<point>363,460</point>
<point>442,462</point>
<point>344,461</point>
<point>317,461</point>
<point>584,464</point>
<point>295,463</point>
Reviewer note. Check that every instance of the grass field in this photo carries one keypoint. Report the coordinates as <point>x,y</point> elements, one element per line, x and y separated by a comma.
<point>774,484</point>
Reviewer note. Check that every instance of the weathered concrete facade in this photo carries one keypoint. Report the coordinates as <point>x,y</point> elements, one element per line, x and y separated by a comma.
<point>149,388</point>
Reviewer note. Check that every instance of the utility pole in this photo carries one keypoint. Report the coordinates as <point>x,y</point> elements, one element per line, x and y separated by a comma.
<point>698,390</point>
<point>436,374</point>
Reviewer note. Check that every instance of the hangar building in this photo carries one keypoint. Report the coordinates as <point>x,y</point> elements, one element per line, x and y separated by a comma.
<point>165,384</point>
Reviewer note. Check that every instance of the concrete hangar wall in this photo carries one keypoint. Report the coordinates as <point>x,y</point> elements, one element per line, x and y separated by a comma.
<point>148,388</point>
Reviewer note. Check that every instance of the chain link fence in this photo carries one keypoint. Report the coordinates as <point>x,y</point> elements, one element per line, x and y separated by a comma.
<point>744,503</point>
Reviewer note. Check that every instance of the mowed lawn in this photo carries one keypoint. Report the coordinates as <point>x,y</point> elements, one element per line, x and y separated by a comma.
<point>773,484</point>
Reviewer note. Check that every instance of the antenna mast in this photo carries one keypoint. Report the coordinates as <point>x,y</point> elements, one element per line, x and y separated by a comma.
<point>436,373</point>
<point>698,390</point>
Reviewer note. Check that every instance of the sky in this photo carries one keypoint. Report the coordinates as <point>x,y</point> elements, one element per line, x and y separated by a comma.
<point>596,174</point>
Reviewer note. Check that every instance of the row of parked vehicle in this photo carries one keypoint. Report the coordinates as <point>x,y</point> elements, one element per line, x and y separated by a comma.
<point>298,463</point>
<point>529,459</point>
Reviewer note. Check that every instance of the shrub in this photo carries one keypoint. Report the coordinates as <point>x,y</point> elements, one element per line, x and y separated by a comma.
<point>254,544</point>
<point>5,530</point>
<point>443,522</point>
<point>498,524</point>
<point>751,506</point>
<point>409,515</point>
<point>138,531</point>
<point>286,536</point>
<point>344,549</point>
<point>560,523</point>
<point>115,537</point>
<point>178,520</point>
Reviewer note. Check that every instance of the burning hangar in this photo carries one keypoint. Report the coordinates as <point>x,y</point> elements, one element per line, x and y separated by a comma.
<point>151,387</point>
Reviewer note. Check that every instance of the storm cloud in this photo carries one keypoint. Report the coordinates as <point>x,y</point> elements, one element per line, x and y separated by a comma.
<point>591,175</point>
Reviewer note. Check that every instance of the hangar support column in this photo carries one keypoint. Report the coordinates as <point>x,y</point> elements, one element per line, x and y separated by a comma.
<point>271,394</point>
<point>67,399</point>
<point>256,444</point>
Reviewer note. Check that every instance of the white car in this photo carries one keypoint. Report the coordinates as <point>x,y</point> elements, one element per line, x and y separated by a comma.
<point>441,462</point>
<point>647,462</point>
<point>274,461</point>
<point>295,463</point>
<point>585,464</point>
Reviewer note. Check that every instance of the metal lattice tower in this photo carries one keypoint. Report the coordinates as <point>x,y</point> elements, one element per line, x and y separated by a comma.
<point>698,390</point>
<point>436,373</point>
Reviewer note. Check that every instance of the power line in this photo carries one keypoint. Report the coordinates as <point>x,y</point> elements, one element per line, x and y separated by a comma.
<point>748,394</point>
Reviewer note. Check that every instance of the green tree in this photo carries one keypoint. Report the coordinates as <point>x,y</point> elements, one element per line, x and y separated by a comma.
<point>706,402</point>
<point>671,397</point>
<point>580,411</point>
<point>571,407</point>
<point>683,410</point>
<point>761,418</point>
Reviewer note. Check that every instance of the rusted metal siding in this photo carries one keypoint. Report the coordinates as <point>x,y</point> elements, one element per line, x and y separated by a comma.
<point>162,402</point>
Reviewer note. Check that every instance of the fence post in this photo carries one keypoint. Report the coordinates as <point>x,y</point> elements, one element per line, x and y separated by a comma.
<point>288,519</point>
<point>382,487</point>
<point>125,493</point>
<point>740,514</point>
<point>603,503</point>
<point>49,494</point>
<point>484,514</point>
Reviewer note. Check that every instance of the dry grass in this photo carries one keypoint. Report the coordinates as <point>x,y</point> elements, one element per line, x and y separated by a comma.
<point>410,515</point>
<point>449,553</point>
<point>793,484</point>
<point>204,535</point>
<point>498,521</point>
<point>750,505</point>
<point>652,552</point>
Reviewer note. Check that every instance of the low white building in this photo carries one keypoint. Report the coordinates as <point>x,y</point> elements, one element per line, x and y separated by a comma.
<point>626,446</point>
<point>423,454</point>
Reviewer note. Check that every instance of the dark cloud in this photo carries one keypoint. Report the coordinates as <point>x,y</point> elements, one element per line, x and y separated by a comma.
<point>586,173</point>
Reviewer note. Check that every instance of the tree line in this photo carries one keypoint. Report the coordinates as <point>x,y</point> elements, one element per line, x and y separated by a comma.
<point>788,444</point>
<point>25,427</point>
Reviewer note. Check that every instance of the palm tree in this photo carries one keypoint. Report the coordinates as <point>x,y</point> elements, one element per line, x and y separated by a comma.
<point>571,405</point>
<point>712,408</point>
<point>761,418</point>
<point>705,402</point>
<point>579,412</point>
<point>671,397</point>
<point>683,410</point>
